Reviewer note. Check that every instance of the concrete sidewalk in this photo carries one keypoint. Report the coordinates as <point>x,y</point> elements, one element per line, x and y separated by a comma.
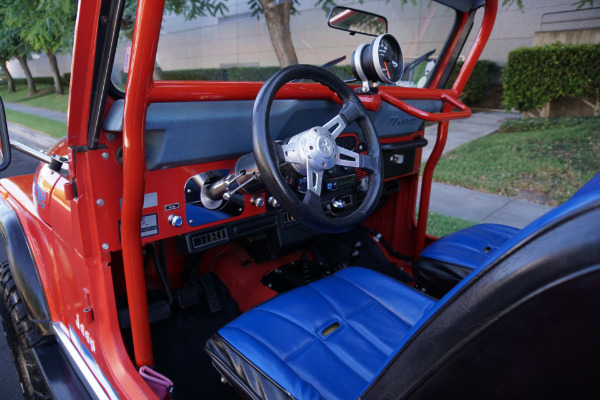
<point>30,137</point>
<point>40,112</point>
<point>445,199</point>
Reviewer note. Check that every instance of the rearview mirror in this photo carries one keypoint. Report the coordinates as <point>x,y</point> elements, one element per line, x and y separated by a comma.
<point>356,21</point>
<point>4,141</point>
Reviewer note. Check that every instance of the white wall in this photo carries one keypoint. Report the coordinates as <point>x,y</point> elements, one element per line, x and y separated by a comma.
<point>239,39</point>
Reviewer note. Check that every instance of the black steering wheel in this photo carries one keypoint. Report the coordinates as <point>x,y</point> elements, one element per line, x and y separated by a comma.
<point>314,151</point>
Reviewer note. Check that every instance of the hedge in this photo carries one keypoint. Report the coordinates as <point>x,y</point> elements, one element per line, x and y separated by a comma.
<point>42,80</point>
<point>239,73</point>
<point>478,85</point>
<point>537,75</point>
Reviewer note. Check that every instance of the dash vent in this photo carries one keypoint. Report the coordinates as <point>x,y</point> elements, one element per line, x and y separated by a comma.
<point>209,239</point>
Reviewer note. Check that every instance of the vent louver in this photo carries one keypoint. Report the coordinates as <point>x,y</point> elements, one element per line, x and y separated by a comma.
<point>209,239</point>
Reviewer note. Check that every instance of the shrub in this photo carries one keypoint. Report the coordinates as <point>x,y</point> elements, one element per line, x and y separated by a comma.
<point>537,75</point>
<point>45,80</point>
<point>201,74</point>
<point>478,85</point>
<point>250,74</point>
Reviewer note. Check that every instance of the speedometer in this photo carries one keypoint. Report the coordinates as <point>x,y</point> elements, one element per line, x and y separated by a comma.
<point>381,60</point>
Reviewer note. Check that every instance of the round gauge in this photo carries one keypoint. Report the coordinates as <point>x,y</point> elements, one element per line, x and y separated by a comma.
<point>381,60</point>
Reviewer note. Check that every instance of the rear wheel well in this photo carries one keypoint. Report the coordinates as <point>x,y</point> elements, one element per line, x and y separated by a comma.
<point>21,337</point>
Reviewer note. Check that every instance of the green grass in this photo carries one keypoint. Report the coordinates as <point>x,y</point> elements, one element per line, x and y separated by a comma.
<point>546,165</point>
<point>51,127</point>
<point>440,224</point>
<point>44,98</point>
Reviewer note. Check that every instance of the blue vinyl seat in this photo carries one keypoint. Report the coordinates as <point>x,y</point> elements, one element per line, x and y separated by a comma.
<point>445,262</point>
<point>523,324</point>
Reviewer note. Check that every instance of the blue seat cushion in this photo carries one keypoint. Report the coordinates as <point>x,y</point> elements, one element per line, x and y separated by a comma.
<point>452,257</point>
<point>328,339</point>
<point>470,247</point>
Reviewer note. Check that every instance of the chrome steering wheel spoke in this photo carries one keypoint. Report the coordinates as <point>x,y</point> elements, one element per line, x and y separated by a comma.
<point>349,158</point>
<point>335,126</point>
<point>314,179</point>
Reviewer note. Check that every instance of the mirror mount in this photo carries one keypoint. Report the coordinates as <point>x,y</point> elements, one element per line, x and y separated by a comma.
<point>356,21</point>
<point>55,163</point>
<point>4,141</point>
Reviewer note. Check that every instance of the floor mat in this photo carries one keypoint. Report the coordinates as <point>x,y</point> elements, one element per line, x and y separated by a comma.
<point>179,348</point>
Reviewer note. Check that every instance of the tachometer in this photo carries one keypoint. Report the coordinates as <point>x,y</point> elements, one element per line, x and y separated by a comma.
<point>381,60</point>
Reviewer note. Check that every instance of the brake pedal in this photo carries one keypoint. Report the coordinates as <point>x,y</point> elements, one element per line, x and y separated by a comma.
<point>187,297</point>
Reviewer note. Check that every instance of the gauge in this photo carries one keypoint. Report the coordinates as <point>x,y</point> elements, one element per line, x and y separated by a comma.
<point>381,60</point>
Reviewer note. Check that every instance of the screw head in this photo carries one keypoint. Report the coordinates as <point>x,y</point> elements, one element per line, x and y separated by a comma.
<point>104,246</point>
<point>105,155</point>
<point>100,202</point>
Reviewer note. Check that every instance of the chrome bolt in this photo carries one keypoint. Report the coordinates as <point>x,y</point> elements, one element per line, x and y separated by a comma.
<point>100,202</point>
<point>104,246</point>
<point>105,155</point>
<point>257,201</point>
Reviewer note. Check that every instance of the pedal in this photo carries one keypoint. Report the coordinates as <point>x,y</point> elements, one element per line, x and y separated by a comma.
<point>159,311</point>
<point>187,297</point>
<point>208,284</point>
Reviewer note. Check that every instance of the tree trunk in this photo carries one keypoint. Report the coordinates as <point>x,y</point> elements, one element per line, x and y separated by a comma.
<point>28,76</point>
<point>9,79</point>
<point>277,17</point>
<point>58,83</point>
<point>158,74</point>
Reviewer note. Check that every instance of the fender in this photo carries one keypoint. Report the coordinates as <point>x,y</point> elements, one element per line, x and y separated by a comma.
<point>24,270</point>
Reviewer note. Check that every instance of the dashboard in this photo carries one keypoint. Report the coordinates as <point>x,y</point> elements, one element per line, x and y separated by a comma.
<point>191,144</point>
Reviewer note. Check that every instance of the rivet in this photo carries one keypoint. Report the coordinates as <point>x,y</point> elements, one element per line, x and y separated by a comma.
<point>105,155</point>
<point>104,246</point>
<point>100,202</point>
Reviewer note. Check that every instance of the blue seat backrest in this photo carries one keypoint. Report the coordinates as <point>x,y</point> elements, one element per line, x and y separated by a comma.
<point>591,186</point>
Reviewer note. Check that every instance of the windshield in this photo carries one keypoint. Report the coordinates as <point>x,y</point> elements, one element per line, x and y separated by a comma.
<point>239,46</point>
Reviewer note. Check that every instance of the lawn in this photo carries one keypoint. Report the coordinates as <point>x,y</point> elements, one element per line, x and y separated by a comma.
<point>545,165</point>
<point>440,225</point>
<point>51,127</point>
<point>44,98</point>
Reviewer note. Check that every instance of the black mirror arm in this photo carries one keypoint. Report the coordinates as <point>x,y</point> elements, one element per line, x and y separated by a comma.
<point>4,140</point>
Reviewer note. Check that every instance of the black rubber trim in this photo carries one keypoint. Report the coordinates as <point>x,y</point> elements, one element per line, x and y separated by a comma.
<point>60,377</point>
<point>23,269</point>
<point>106,47</point>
